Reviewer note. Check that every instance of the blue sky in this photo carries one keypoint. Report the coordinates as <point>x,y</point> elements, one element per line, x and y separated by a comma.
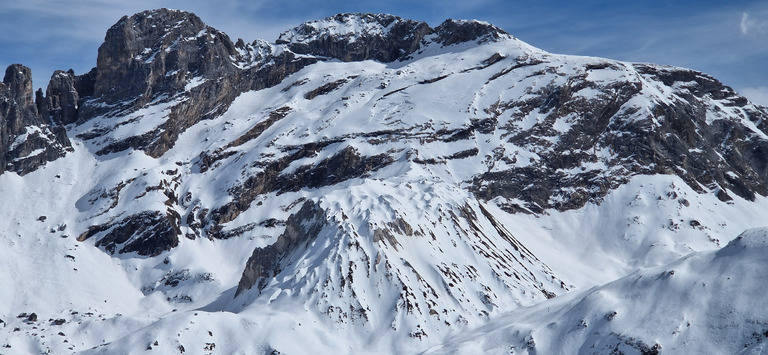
<point>727,39</point>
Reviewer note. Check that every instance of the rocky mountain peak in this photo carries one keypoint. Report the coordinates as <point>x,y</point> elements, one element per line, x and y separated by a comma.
<point>156,53</point>
<point>280,187</point>
<point>355,37</point>
<point>171,58</point>
<point>345,25</point>
<point>382,37</point>
<point>62,97</point>
<point>18,80</point>
<point>453,31</point>
<point>28,138</point>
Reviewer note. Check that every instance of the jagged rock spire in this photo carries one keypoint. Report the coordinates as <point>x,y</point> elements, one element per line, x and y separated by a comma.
<point>28,139</point>
<point>155,52</point>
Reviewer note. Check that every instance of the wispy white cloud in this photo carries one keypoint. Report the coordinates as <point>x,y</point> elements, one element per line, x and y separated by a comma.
<point>758,95</point>
<point>752,25</point>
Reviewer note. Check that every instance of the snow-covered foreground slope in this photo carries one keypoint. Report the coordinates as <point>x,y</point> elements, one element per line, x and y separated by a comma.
<point>101,298</point>
<point>705,303</point>
<point>442,192</point>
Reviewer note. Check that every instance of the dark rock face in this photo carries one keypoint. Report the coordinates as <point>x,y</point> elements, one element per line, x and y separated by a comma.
<point>207,101</point>
<point>384,38</point>
<point>675,138</point>
<point>381,37</point>
<point>162,55</point>
<point>28,139</point>
<point>346,164</point>
<point>459,31</point>
<point>18,80</point>
<point>62,97</point>
<point>65,94</point>
<point>153,56</point>
<point>154,53</point>
<point>265,263</point>
<point>147,233</point>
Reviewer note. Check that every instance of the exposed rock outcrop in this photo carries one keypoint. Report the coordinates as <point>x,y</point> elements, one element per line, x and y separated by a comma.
<point>674,137</point>
<point>146,233</point>
<point>156,53</point>
<point>344,165</point>
<point>28,139</point>
<point>65,94</point>
<point>355,37</point>
<point>459,31</point>
<point>265,263</point>
<point>172,56</point>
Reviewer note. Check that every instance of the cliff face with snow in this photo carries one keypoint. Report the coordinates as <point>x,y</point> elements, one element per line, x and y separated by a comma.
<point>368,182</point>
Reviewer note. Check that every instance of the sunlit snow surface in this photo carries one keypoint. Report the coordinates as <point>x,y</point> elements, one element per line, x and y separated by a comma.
<point>705,303</point>
<point>651,261</point>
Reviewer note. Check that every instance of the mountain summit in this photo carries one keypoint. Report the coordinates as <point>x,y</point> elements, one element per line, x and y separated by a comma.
<point>384,38</point>
<point>370,183</point>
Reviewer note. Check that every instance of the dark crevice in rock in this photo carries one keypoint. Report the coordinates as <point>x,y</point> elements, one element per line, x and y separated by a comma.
<point>458,155</point>
<point>433,80</point>
<point>260,127</point>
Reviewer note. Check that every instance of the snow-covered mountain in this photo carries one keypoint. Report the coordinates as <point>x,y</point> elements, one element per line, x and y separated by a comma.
<point>368,183</point>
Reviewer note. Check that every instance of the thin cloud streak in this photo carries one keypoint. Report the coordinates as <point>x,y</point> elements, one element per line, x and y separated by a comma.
<point>751,26</point>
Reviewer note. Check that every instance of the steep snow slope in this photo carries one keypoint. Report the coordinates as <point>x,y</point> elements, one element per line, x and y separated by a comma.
<point>130,320</point>
<point>707,302</point>
<point>387,202</point>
